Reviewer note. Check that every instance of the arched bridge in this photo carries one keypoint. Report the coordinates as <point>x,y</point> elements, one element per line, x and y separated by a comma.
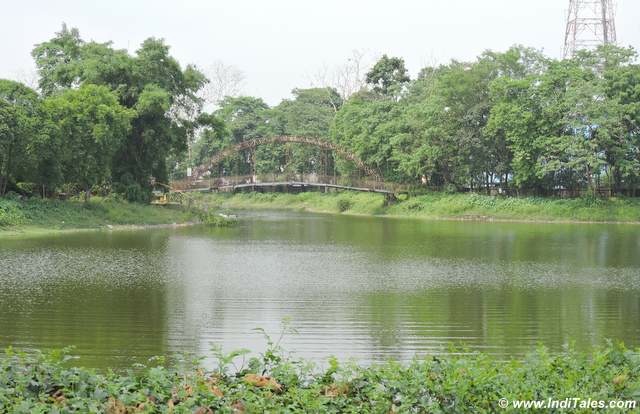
<point>201,175</point>
<point>283,139</point>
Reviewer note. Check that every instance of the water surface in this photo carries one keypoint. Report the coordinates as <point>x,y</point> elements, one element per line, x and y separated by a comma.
<point>367,288</point>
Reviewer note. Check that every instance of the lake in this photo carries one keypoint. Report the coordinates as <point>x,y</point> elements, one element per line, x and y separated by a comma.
<point>368,288</point>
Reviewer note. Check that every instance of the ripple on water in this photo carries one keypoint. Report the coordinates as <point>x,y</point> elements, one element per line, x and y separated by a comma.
<point>370,291</point>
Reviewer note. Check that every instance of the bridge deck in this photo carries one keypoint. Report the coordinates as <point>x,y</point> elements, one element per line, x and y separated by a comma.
<point>302,185</point>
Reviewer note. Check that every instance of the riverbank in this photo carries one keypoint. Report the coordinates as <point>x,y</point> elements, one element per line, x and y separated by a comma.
<point>273,382</point>
<point>37,216</point>
<point>439,206</point>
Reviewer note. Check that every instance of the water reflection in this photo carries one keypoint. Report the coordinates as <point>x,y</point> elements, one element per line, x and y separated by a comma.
<point>368,288</point>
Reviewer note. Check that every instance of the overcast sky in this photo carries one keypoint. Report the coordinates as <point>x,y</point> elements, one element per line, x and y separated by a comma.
<point>280,44</point>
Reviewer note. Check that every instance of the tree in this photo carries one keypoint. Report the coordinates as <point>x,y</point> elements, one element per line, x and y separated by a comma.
<point>622,86</point>
<point>224,80</point>
<point>213,137</point>
<point>515,119</point>
<point>446,110</point>
<point>368,126</point>
<point>526,112</point>
<point>347,78</point>
<point>152,83</point>
<point>246,118</point>
<point>57,60</point>
<point>567,127</point>
<point>19,114</point>
<point>310,114</point>
<point>388,76</point>
<point>90,125</point>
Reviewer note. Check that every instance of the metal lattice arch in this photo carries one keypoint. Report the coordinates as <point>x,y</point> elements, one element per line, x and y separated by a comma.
<point>283,139</point>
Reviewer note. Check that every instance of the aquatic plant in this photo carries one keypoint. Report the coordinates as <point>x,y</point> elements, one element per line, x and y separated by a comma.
<point>216,219</point>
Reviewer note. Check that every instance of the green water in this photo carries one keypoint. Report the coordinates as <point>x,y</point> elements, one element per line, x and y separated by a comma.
<point>367,288</point>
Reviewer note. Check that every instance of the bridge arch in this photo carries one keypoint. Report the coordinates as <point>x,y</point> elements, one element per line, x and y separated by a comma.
<point>316,142</point>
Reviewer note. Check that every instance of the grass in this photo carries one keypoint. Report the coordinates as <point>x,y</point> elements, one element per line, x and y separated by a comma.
<point>37,215</point>
<point>441,206</point>
<point>275,382</point>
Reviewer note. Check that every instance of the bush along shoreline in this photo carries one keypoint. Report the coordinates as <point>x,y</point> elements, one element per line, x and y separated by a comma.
<point>53,215</point>
<point>440,206</point>
<point>36,215</point>
<point>46,215</point>
<point>276,382</point>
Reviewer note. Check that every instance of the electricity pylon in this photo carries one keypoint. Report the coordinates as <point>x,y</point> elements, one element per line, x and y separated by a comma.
<point>590,23</point>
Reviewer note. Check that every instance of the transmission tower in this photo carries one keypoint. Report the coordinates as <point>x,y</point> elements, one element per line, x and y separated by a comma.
<point>590,23</point>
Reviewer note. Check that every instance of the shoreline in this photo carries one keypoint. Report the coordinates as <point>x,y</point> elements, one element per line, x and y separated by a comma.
<point>38,230</point>
<point>255,201</point>
<point>486,219</point>
<point>35,217</point>
<point>424,208</point>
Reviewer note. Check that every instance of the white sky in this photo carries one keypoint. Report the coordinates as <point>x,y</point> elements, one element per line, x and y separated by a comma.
<point>280,44</point>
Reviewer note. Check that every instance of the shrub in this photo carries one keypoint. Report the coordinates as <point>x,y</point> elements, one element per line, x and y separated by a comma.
<point>10,213</point>
<point>70,189</point>
<point>136,194</point>
<point>102,189</point>
<point>27,188</point>
<point>344,204</point>
<point>450,188</point>
<point>275,382</point>
<point>212,218</point>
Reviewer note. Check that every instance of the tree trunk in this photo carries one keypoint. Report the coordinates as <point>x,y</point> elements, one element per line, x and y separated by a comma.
<point>4,177</point>
<point>3,185</point>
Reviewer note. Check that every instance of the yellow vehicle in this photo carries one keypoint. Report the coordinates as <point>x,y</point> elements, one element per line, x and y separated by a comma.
<point>164,198</point>
<point>160,198</point>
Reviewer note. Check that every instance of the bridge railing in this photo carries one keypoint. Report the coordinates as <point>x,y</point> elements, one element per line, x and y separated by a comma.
<point>226,182</point>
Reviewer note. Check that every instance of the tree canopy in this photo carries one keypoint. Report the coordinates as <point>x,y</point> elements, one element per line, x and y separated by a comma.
<point>92,94</point>
<point>514,120</point>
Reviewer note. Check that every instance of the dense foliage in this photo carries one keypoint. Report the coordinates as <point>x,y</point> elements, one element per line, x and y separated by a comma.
<point>515,122</point>
<point>103,117</point>
<point>275,382</point>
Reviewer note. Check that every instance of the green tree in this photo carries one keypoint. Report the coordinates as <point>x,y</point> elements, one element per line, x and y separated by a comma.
<point>388,76</point>
<point>622,89</point>
<point>447,110</point>
<point>58,60</point>
<point>368,127</point>
<point>310,114</point>
<point>526,112</point>
<point>151,82</point>
<point>213,137</point>
<point>19,114</point>
<point>89,126</point>
<point>568,126</point>
<point>246,118</point>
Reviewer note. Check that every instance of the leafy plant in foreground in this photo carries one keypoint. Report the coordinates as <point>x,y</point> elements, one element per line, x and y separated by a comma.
<point>273,381</point>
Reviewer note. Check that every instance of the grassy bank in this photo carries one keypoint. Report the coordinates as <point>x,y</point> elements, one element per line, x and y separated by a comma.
<point>442,206</point>
<point>37,215</point>
<point>272,382</point>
